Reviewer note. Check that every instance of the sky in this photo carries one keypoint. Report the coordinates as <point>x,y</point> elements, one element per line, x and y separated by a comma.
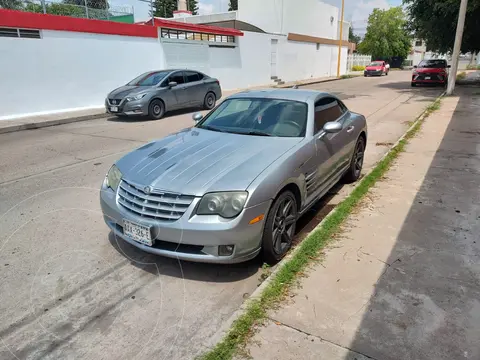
<point>356,11</point>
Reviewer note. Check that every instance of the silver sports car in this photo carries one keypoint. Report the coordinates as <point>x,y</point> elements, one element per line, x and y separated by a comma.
<point>156,92</point>
<point>235,184</point>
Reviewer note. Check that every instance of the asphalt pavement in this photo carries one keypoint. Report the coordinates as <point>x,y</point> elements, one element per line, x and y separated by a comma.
<point>69,290</point>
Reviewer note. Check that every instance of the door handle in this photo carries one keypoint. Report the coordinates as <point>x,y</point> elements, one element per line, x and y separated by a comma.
<point>350,129</point>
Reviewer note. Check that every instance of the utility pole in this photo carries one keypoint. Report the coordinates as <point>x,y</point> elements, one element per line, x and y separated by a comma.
<point>457,46</point>
<point>151,9</point>
<point>340,41</point>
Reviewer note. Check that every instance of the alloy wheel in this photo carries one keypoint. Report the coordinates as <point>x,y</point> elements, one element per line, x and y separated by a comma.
<point>359,156</point>
<point>284,226</point>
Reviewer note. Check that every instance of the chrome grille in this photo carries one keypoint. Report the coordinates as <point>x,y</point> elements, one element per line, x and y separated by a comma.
<point>161,206</point>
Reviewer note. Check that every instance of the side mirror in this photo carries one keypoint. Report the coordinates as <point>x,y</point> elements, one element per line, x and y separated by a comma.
<point>197,117</point>
<point>172,84</point>
<point>332,127</point>
<point>415,66</point>
<point>449,66</point>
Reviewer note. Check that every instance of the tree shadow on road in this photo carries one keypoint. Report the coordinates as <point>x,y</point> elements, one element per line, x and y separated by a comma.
<point>426,305</point>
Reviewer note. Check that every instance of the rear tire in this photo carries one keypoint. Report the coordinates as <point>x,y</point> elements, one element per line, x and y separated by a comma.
<point>210,100</point>
<point>356,164</point>
<point>156,109</point>
<point>279,228</point>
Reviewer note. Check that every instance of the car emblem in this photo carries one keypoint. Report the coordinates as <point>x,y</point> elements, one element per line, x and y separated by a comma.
<point>147,190</point>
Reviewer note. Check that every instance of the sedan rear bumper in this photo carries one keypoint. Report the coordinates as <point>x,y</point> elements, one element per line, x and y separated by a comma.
<point>192,237</point>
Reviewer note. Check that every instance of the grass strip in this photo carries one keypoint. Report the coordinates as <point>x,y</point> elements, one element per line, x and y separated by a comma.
<point>256,311</point>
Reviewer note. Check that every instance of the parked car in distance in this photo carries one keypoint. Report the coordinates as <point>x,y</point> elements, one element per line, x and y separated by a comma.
<point>376,68</point>
<point>235,184</point>
<point>156,92</point>
<point>432,71</point>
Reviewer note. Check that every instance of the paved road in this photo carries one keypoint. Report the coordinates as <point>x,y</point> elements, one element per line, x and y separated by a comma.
<point>69,290</point>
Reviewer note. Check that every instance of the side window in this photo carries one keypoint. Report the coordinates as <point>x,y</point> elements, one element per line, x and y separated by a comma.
<point>177,77</point>
<point>200,76</point>
<point>191,76</point>
<point>326,110</point>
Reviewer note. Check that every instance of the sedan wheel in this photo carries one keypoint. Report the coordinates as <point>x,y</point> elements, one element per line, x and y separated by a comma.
<point>210,100</point>
<point>356,164</point>
<point>280,228</point>
<point>156,109</point>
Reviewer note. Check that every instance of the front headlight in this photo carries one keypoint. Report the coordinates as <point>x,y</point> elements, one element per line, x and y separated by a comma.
<point>112,180</point>
<point>225,204</point>
<point>136,97</point>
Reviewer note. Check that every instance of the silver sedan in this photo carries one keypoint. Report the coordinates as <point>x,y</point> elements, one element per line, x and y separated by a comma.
<point>235,184</point>
<point>156,92</point>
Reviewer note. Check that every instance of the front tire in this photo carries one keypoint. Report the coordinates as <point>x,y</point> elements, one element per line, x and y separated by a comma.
<point>156,109</point>
<point>279,228</point>
<point>413,84</point>
<point>210,100</point>
<point>356,164</point>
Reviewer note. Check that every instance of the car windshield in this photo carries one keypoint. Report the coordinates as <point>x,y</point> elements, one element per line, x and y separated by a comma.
<point>258,117</point>
<point>376,63</point>
<point>149,79</point>
<point>439,64</point>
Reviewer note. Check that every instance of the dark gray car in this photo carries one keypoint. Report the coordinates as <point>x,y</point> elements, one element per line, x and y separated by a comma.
<point>156,92</point>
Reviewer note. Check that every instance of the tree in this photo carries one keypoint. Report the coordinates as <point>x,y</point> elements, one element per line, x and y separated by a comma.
<point>91,4</point>
<point>435,21</point>
<point>387,35</point>
<point>233,5</point>
<point>11,4</point>
<point>192,5</point>
<point>352,37</point>
<point>164,8</point>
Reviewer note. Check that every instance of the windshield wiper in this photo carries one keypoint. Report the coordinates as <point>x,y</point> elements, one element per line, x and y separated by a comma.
<point>211,128</point>
<point>258,133</point>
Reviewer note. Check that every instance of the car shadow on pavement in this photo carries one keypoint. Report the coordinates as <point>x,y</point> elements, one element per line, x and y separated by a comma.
<point>160,265</point>
<point>426,303</point>
<point>146,118</point>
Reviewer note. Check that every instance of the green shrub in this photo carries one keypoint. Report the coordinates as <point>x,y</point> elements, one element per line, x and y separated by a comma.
<point>358,68</point>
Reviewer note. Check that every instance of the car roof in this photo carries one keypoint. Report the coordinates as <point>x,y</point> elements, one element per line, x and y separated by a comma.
<point>284,94</point>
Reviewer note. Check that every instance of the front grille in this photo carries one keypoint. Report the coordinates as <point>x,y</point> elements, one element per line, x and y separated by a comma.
<point>114,101</point>
<point>433,76</point>
<point>161,206</point>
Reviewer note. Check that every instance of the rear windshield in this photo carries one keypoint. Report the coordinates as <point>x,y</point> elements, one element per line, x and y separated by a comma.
<point>433,64</point>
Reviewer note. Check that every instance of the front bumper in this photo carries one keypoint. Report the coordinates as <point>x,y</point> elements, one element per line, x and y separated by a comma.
<point>127,108</point>
<point>373,72</point>
<point>429,78</point>
<point>192,237</point>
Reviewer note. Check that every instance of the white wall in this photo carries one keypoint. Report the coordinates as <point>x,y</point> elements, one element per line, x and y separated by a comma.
<point>69,70</point>
<point>312,17</point>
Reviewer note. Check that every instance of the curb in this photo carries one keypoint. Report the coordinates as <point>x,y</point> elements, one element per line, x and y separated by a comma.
<point>225,328</point>
<point>39,125</point>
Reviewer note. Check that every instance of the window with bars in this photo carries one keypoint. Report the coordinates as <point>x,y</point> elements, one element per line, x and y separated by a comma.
<point>196,36</point>
<point>19,33</point>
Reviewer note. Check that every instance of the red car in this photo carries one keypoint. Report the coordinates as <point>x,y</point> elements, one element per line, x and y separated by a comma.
<point>432,71</point>
<point>377,68</point>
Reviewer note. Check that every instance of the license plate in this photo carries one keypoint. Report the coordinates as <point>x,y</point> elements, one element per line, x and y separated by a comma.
<point>137,232</point>
<point>427,77</point>
<point>114,109</point>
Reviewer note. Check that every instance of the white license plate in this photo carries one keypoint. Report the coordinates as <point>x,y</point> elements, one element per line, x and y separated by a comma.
<point>427,77</point>
<point>137,232</point>
<point>114,109</point>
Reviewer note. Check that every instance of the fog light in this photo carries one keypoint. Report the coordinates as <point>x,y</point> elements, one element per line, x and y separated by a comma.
<point>225,250</point>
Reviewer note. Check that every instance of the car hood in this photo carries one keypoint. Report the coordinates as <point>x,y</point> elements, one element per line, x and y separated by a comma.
<point>123,91</point>
<point>373,68</point>
<point>196,161</point>
<point>430,70</point>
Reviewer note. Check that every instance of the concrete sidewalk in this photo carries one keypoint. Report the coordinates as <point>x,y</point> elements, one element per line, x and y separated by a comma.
<point>402,281</point>
<point>36,122</point>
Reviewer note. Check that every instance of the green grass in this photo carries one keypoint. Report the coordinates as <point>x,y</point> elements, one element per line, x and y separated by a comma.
<point>462,75</point>
<point>347,76</point>
<point>256,311</point>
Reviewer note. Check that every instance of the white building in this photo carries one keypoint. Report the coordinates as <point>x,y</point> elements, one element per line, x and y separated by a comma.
<point>71,64</point>
<point>418,52</point>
